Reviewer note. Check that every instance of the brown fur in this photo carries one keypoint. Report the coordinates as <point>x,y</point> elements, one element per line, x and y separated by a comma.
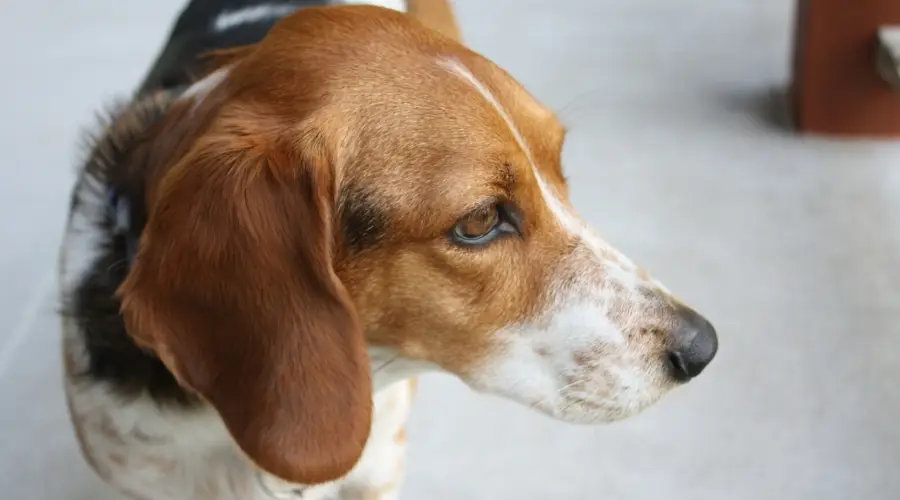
<point>436,14</point>
<point>245,288</point>
<point>251,278</point>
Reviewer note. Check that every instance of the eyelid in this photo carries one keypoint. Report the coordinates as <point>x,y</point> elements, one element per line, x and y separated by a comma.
<point>484,211</point>
<point>481,206</point>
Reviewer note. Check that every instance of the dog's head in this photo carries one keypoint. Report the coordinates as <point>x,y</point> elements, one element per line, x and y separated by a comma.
<point>357,183</point>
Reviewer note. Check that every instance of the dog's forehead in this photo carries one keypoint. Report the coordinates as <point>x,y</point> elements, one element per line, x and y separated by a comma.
<point>515,116</point>
<point>522,133</point>
<point>456,103</point>
<point>362,36</point>
<point>423,119</point>
<point>377,65</point>
<point>472,133</point>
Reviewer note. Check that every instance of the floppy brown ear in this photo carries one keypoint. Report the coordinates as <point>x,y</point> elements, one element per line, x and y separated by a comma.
<point>234,289</point>
<point>219,58</point>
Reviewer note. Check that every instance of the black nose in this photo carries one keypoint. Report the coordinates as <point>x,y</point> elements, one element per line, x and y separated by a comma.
<point>694,346</point>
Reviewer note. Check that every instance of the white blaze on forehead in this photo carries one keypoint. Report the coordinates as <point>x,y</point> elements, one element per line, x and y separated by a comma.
<point>569,221</point>
<point>574,361</point>
<point>571,316</point>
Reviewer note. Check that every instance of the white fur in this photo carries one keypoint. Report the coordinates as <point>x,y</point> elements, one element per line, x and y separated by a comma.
<point>612,381</point>
<point>81,243</point>
<point>152,453</point>
<point>399,5</point>
<point>159,454</point>
<point>149,452</point>
<point>254,13</point>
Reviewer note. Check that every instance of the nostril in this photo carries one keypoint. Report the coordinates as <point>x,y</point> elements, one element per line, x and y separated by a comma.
<point>678,367</point>
<point>694,345</point>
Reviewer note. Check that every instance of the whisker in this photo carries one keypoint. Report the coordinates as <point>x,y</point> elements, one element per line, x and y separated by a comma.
<point>559,391</point>
<point>116,264</point>
<point>386,363</point>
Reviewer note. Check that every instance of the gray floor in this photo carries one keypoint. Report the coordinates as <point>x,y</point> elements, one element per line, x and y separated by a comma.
<point>791,246</point>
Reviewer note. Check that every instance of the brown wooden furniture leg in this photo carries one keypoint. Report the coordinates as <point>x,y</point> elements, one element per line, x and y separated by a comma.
<point>838,87</point>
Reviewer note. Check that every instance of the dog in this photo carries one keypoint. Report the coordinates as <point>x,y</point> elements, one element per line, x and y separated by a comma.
<point>265,247</point>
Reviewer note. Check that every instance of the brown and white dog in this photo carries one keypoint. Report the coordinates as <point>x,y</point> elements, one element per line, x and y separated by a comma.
<point>257,263</point>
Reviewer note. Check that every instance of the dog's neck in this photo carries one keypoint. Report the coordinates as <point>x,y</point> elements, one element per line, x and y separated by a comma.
<point>109,211</point>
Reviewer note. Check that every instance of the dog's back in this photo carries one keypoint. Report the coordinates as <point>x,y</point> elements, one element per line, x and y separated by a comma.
<point>138,428</point>
<point>209,25</point>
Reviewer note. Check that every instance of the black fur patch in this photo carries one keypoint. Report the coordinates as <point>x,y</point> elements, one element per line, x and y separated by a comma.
<point>194,34</point>
<point>363,222</point>
<point>113,357</point>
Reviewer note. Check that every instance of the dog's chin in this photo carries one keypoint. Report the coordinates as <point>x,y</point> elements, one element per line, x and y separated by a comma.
<point>597,401</point>
<point>581,411</point>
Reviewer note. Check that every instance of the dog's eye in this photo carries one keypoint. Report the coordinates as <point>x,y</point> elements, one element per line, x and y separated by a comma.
<point>482,226</point>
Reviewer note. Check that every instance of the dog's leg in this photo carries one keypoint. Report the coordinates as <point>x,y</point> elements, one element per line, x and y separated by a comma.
<point>379,474</point>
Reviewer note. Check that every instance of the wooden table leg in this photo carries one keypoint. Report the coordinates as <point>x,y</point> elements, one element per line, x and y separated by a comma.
<point>838,87</point>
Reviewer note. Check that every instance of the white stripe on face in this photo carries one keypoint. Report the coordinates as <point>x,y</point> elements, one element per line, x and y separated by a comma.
<point>582,334</point>
<point>620,267</point>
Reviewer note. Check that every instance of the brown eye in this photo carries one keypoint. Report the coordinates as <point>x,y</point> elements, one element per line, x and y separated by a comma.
<point>478,223</point>
<point>482,226</point>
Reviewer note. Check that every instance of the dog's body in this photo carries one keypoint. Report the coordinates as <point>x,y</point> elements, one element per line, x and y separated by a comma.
<point>138,428</point>
<point>182,379</point>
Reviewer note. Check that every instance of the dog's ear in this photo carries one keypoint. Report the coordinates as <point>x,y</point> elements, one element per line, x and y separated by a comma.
<point>233,287</point>
<point>213,60</point>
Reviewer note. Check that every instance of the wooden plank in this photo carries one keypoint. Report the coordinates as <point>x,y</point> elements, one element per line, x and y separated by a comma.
<point>837,88</point>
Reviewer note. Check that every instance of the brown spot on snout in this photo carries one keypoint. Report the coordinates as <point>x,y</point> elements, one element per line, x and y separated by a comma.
<point>582,358</point>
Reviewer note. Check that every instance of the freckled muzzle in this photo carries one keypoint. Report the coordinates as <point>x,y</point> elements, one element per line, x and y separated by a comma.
<point>694,344</point>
